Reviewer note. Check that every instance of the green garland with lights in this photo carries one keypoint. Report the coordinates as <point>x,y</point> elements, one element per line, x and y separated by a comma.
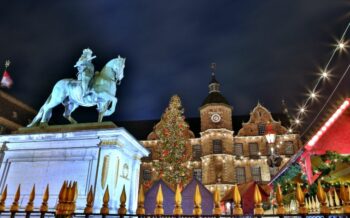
<point>294,173</point>
<point>329,161</point>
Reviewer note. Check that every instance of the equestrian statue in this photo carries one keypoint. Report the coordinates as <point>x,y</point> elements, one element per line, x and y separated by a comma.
<point>91,88</point>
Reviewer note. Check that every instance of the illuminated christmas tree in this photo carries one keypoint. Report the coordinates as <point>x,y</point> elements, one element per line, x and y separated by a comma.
<point>173,149</point>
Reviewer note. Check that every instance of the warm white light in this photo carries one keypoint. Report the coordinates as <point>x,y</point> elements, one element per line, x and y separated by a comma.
<point>270,138</point>
<point>302,109</point>
<point>228,205</point>
<point>297,121</point>
<point>290,130</point>
<point>325,74</point>
<point>341,45</point>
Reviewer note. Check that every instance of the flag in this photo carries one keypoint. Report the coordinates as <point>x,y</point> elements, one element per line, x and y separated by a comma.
<point>6,80</point>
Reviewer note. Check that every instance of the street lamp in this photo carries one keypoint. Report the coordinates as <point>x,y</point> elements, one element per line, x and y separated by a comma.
<point>274,161</point>
<point>270,136</point>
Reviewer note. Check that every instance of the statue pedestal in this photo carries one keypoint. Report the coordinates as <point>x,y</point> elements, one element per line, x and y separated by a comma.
<point>97,154</point>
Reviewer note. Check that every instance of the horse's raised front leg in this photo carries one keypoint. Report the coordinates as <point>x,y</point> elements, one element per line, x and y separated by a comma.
<point>103,106</point>
<point>111,110</point>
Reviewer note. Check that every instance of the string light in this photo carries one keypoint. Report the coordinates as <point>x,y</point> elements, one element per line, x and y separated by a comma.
<point>341,46</point>
<point>325,74</point>
<point>302,109</point>
<point>313,95</point>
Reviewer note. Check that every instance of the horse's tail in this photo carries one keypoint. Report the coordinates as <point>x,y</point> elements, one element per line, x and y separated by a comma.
<point>40,113</point>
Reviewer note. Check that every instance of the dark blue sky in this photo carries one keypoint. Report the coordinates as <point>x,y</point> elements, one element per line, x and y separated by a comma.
<point>265,50</point>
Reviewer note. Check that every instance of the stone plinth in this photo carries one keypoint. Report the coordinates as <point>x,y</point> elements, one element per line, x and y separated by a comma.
<point>97,154</point>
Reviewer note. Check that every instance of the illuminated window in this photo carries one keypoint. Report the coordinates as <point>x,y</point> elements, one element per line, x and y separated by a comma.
<point>256,173</point>
<point>197,173</point>
<point>238,149</point>
<point>254,149</point>
<point>196,152</point>
<point>217,146</point>
<point>240,175</point>
<point>261,129</point>
<point>147,175</point>
<point>289,148</point>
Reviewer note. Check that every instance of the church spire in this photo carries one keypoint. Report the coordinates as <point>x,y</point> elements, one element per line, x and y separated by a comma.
<point>214,85</point>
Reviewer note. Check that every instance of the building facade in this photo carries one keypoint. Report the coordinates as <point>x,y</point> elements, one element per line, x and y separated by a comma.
<point>222,157</point>
<point>13,113</point>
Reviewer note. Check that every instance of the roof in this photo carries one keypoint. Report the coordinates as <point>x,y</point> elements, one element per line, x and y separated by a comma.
<point>246,190</point>
<point>332,136</point>
<point>187,197</point>
<point>140,129</point>
<point>151,195</point>
<point>215,97</point>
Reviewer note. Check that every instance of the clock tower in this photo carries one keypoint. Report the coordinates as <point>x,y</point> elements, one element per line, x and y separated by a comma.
<point>215,112</point>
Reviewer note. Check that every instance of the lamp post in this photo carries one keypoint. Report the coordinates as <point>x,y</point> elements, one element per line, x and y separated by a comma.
<point>274,160</point>
<point>270,137</point>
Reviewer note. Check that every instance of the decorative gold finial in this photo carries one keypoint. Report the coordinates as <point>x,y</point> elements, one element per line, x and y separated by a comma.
<point>301,199</point>
<point>29,208</point>
<point>3,199</point>
<point>237,210</point>
<point>197,210</point>
<point>89,202</point>
<point>122,208</point>
<point>217,209</point>
<point>60,208</point>
<point>321,195</point>
<point>73,197</point>
<point>7,64</point>
<point>14,206</point>
<point>105,209</point>
<point>159,202</point>
<point>178,201</point>
<point>213,67</point>
<point>44,206</point>
<point>279,199</point>
<point>140,202</point>
<point>258,210</point>
<point>344,193</point>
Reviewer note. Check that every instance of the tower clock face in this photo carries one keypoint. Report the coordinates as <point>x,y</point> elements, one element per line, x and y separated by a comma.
<point>215,118</point>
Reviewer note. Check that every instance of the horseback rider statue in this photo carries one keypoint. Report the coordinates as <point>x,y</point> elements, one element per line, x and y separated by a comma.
<point>86,70</point>
<point>90,89</point>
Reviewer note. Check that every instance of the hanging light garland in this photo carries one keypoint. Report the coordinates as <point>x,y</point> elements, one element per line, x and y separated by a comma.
<point>313,94</point>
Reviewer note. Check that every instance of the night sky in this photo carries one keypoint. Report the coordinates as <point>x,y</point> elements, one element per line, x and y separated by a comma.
<point>264,50</point>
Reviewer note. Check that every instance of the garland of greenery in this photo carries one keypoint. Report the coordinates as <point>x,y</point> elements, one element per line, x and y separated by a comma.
<point>325,168</point>
<point>329,161</point>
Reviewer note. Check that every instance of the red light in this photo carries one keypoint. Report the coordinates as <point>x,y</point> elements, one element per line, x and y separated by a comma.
<point>329,122</point>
